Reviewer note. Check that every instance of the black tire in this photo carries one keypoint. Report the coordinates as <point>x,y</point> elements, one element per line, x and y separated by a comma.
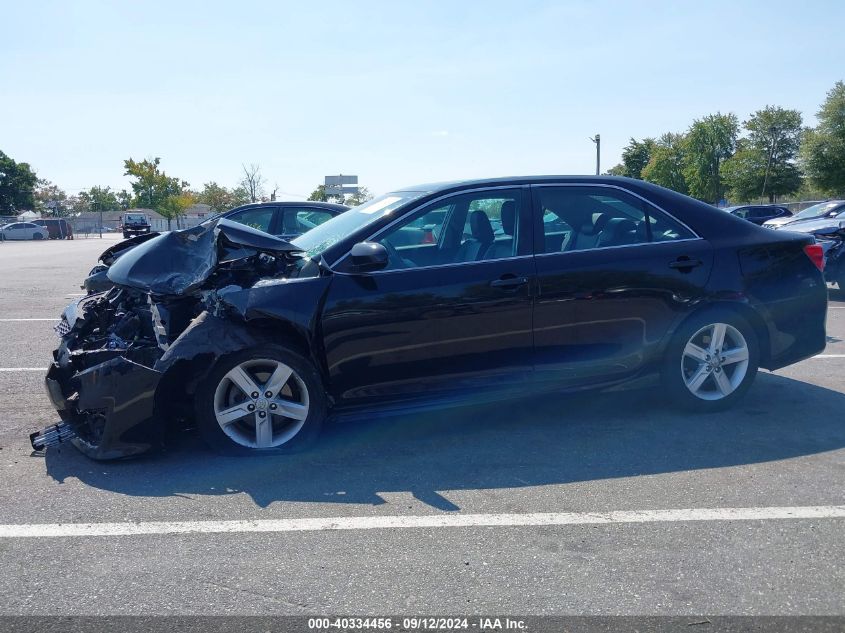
<point>673,371</point>
<point>37,236</point>
<point>204,404</point>
<point>126,235</point>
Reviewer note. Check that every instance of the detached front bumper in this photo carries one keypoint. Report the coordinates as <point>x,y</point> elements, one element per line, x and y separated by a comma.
<point>109,406</point>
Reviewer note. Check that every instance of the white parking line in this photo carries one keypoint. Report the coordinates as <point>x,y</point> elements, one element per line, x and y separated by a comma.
<point>17,320</point>
<point>829,356</point>
<point>54,530</point>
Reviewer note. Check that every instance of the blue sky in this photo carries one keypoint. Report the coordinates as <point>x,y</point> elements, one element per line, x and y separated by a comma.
<point>397,92</point>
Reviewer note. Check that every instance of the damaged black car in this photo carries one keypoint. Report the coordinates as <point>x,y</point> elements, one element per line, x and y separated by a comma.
<point>432,296</point>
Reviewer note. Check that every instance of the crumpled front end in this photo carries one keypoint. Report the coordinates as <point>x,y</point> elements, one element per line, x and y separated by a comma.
<point>130,357</point>
<point>102,381</point>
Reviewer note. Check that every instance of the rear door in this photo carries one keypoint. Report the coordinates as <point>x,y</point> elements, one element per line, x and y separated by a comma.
<point>621,275</point>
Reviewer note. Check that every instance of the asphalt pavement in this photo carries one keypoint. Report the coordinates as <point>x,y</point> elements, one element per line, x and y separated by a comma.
<point>352,525</point>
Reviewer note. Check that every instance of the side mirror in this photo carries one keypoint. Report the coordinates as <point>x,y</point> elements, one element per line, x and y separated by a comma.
<point>368,257</point>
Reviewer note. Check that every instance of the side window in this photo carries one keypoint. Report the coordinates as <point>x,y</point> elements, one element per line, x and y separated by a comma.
<point>260,218</point>
<point>464,228</point>
<point>581,218</point>
<point>296,221</point>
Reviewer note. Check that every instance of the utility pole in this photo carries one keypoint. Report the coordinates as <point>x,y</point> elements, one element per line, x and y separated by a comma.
<point>597,141</point>
<point>773,131</point>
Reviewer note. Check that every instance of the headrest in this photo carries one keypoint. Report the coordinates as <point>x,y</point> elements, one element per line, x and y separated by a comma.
<point>617,232</point>
<point>480,226</point>
<point>508,213</point>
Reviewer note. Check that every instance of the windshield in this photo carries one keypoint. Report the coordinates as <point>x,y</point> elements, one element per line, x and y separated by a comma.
<point>817,210</point>
<point>330,232</point>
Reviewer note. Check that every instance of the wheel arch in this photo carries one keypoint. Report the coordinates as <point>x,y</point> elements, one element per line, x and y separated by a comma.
<point>208,340</point>
<point>744,310</point>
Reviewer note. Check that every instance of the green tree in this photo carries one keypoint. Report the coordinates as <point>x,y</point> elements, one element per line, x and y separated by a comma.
<point>173,207</point>
<point>764,163</point>
<point>823,148</point>
<point>220,198</point>
<point>361,197</point>
<point>124,198</point>
<point>17,186</point>
<point>710,141</point>
<point>744,172</point>
<point>320,195</point>
<point>635,157</point>
<point>102,199</point>
<point>150,184</point>
<point>616,170</point>
<point>50,199</point>
<point>666,165</point>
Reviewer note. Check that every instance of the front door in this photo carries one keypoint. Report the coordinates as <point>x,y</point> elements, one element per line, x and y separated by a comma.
<point>451,314</point>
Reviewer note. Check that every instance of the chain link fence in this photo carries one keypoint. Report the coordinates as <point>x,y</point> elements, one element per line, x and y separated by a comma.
<point>86,227</point>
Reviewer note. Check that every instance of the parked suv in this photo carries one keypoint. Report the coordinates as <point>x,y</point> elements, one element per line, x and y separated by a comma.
<point>58,228</point>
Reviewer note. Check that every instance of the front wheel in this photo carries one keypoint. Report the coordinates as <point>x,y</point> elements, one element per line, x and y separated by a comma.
<point>711,362</point>
<point>261,401</point>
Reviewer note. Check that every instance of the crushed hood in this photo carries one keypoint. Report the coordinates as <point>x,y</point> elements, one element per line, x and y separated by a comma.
<point>109,255</point>
<point>178,262</point>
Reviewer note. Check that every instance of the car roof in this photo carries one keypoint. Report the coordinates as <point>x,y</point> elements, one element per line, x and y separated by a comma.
<point>706,220</point>
<point>331,206</point>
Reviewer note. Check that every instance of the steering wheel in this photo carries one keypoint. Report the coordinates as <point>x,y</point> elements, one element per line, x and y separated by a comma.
<point>393,255</point>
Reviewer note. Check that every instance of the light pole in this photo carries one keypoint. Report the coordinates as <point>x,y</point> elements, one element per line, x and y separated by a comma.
<point>773,131</point>
<point>93,204</point>
<point>597,141</point>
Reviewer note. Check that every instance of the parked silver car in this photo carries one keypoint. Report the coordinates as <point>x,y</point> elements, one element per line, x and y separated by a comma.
<point>24,231</point>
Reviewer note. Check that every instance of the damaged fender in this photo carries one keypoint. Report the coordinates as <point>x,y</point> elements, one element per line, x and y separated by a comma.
<point>226,330</point>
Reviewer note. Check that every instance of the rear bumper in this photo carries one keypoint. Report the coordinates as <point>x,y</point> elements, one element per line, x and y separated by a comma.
<point>109,406</point>
<point>797,328</point>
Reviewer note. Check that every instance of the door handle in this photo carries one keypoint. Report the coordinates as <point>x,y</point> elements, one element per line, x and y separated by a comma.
<point>509,282</point>
<point>685,262</point>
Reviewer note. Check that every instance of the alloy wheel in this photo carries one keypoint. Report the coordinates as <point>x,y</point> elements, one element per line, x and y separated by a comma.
<point>261,403</point>
<point>715,361</point>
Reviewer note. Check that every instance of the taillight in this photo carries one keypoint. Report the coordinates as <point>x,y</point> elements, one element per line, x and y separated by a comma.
<point>428,237</point>
<point>816,255</point>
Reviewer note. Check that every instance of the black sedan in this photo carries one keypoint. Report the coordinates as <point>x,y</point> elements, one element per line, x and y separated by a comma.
<point>591,282</point>
<point>284,219</point>
<point>759,213</point>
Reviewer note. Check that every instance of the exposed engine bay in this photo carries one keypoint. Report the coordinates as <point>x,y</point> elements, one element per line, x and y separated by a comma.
<point>178,301</point>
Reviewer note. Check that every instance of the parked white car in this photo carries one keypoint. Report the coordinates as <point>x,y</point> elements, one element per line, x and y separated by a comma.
<point>24,231</point>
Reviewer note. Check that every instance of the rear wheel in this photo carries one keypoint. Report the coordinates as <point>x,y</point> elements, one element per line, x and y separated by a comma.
<point>37,236</point>
<point>711,361</point>
<point>261,401</point>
